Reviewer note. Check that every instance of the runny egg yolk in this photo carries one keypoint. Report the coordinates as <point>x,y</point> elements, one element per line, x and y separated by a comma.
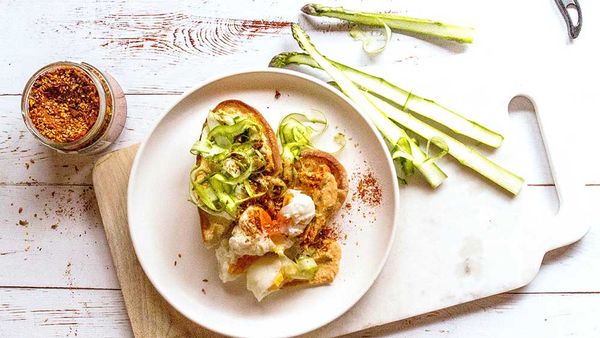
<point>250,235</point>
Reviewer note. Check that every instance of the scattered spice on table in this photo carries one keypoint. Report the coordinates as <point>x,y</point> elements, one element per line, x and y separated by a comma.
<point>23,222</point>
<point>20,210</point>
<point>63,104</point>
<point>54,226</point>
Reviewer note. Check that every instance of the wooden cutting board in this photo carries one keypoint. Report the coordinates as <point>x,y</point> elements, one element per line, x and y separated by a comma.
<point>149,313</point>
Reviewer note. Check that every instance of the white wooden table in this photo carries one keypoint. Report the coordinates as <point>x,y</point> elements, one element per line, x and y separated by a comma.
<point>56,274</point>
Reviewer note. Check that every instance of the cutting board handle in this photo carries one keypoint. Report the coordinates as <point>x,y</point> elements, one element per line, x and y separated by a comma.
<point>553,115</point>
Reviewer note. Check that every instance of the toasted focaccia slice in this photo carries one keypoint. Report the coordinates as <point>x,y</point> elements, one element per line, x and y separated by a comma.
<point>324,179</point>
<point>215,226</point>
<point>321,176</point>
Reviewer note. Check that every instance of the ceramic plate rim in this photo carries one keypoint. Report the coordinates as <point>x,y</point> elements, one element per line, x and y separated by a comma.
<point>265,71</point>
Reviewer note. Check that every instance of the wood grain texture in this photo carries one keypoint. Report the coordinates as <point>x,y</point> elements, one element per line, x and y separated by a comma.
<point>182,34</point>
<point>101,313</point>
<point>166,47</point>
<point>41,313</point>
<point>52,236</point>
<point>150,314</point>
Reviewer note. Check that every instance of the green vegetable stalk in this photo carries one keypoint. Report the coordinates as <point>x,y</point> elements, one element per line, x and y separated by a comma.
<point>410,101</point>
<point>395,22</point>
<point>464,154</point>
<point>403,146</point>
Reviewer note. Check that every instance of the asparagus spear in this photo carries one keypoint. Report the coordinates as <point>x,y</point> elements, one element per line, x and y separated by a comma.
<point>411,102</point>
<point>403,146</point>
<point>464,154</point>
<point>396,22</point>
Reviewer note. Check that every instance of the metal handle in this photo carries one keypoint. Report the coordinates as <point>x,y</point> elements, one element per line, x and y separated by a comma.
<point>563,5</point>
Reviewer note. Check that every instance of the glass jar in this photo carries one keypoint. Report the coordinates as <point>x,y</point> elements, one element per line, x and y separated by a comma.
<point>96,135</point>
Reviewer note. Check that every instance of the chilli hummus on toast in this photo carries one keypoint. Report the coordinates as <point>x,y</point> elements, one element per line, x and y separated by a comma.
<point>268,215</point>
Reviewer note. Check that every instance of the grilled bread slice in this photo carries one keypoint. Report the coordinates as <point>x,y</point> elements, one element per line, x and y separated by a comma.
<point>324,179</point>
<point>214,227</point>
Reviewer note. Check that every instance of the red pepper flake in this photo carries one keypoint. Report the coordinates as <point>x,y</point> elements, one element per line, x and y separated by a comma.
<point>20,210</point>
<point>368,190</point>
<point>63,104</point>
<point>277,94</point>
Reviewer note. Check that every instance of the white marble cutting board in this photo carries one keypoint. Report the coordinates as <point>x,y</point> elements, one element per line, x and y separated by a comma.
<point>468,240</point>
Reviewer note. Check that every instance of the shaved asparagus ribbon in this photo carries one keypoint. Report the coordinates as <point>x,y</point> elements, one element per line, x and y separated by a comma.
<point>464,154</point>
<point>388,117</point>
<point>297,130</point>
<point>395,22</point>
<point>369,42</point>
<point>410,101</point>
<point>222,186</point>
<point>402,145</point>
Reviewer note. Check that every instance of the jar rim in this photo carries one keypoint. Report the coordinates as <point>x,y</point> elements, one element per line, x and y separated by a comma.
<point>101,110</point>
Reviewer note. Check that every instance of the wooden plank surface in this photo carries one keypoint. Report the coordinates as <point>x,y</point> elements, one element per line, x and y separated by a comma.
<point>151,46</point>
<point>157,47</point>
<point>100,313</point>
<point>26,312</point>
<point>56,240</point>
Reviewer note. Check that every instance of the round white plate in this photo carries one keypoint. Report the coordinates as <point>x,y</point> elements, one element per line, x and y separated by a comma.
<point>164,225</point>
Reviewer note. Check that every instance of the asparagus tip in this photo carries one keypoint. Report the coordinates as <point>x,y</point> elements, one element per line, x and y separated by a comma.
<point>279,60</point>
<point>310,9</point>
<point>296,29</point>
